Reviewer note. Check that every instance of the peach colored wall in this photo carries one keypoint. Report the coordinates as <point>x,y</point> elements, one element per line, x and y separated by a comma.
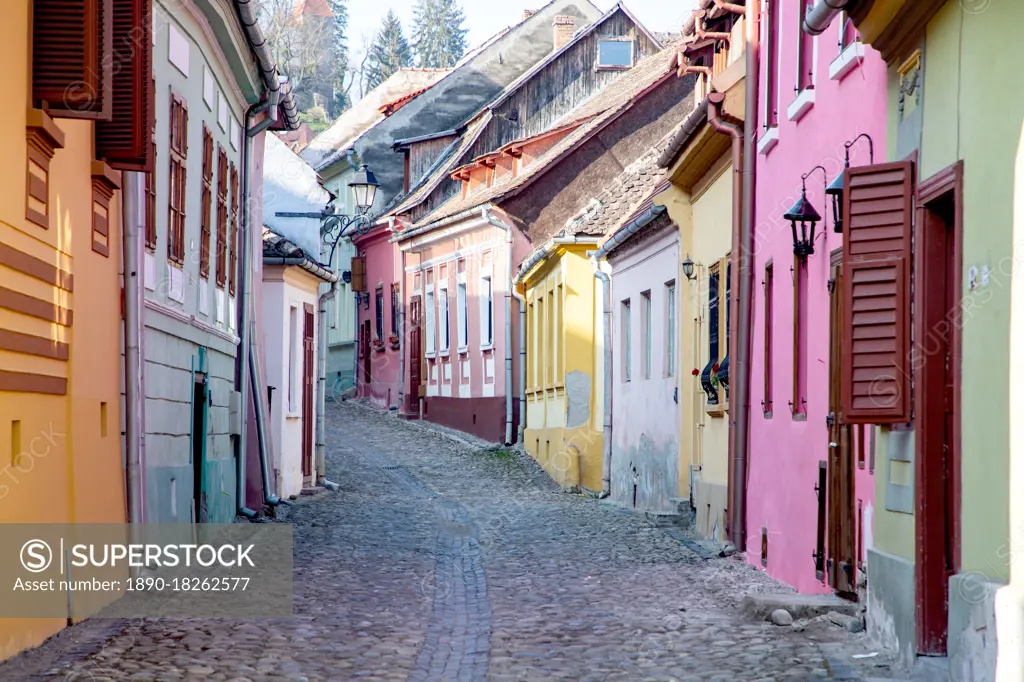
<point>67,468</point>
<point>785,452</point>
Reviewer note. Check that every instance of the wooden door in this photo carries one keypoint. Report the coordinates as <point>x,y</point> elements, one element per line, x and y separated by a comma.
<point>840,531</point>
<point>364,351</point>
<point>200,415</point>
<point>937,403</point>
<point>308,384</point>
<point>415,337</point>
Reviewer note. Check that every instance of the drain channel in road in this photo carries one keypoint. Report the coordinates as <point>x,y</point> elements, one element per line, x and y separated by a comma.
<point>457,645</point>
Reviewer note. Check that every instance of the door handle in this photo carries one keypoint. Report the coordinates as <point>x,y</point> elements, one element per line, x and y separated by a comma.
<point>833,445</point>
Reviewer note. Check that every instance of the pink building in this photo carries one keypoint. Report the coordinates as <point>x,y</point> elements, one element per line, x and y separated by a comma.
<point>378,324</point>
<point>810,494</point>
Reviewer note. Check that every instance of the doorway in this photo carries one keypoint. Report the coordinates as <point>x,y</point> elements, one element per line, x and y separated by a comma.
<point>938,266</point>
<point>415,336</point>
<point>364,351</point>
<point>840,519</point>
<point>308,382</point>
<point>200,511</point>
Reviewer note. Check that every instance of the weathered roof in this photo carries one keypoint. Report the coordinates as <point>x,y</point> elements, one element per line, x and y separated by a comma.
<point>596,112</point>
<point>290,185</point>
<point>329,145</point>
<point>630,193</point>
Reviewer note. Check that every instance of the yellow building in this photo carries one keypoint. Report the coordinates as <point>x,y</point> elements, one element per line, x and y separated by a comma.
<point>701,201</point>
<point>60,288</point>
<point>564,363</point>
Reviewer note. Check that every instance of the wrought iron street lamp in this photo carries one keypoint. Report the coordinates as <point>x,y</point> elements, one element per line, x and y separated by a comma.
<point>835,188</point>
<point>688,268</point>
<point>802,218</point>
<point>333,225</point>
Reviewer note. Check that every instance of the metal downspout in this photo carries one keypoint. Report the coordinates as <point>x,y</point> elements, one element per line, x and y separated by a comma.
<point>134,383</point>
<point>320,465</point>
<point>485,213</point>
<point>821,15</point>
<point>606,315</point>
<point>401,321</point>
<point>261,428</point>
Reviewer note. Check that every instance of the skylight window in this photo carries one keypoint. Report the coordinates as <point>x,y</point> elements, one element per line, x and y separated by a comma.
<point>615,54</point>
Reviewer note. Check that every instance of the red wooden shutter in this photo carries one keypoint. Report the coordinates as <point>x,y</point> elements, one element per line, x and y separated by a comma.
<point>71,65</point>
<point>124,140</point>
<point>877,210</point>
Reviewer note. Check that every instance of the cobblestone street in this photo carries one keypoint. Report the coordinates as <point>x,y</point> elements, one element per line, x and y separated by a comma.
<point>437,562</point>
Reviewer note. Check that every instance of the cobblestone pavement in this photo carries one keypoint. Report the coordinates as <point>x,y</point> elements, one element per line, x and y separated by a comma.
<point>434,562</point>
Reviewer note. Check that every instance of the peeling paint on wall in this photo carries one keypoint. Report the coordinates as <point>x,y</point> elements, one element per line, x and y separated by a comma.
<point>577,399</point>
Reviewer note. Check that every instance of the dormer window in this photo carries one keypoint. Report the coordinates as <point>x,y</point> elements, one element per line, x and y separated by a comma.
<point>615,53</point>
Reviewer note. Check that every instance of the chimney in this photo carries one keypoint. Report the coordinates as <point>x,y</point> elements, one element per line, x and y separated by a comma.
<point>527,13</point>
<point>565,27</point>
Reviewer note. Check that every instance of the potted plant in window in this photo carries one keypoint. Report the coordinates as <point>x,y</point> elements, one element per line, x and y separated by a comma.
<point>378,344</point>
<point>394,341</point>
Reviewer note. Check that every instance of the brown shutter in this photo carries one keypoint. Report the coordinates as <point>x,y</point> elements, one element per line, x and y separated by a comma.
<point>124,140</point>
<point>358,268</point>
<point>71,64</point>
<point>877,210</point>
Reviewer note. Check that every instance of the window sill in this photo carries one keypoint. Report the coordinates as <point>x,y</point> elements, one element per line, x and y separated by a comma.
<point>799,416</point>
<point>443,354</point>
<point>611,67</point>
<point>799,107</point>
<point>430,355</point>
<point>463,350</point>
<point>716,410</point>
<point>488,348</point>
<point>768,140</point>
<point>292,416</point>
<point>849,59</point>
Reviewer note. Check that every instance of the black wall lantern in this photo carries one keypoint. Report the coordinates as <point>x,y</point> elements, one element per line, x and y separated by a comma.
<point>688,268</point>
<point>802,218</point>
<point>835,188</point>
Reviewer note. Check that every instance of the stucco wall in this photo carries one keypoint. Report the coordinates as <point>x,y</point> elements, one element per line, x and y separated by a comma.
<point>284,289</point>
<point>381,270</point>
<point>785,450</point>
<point>645,425</point>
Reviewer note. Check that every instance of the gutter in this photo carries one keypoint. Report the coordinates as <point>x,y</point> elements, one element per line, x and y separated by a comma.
<point>818,19</point>
<point>444,222</point>
<point>485,214</point>
<point>276,94</point>
<point>645,219</point>
<point>398,144</point>
<point>524,269</point>
<point>682,136</point>
<point>306,264</point>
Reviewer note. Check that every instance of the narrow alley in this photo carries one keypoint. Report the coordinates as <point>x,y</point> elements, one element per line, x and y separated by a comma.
<point>435,562</point>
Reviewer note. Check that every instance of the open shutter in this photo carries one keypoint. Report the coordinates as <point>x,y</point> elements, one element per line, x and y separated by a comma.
<point>358,268</point>
<point>877,210</point>
<point>71,64</point>
<point>123,141</point>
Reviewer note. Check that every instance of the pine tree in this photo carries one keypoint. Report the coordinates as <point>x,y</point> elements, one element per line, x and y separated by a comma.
<point>389,53</point>
<point>438,35</point>
<point>340,57</point>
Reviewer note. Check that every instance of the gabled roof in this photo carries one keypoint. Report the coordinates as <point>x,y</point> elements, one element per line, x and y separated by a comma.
<point>290,185</point>
<point>629,87</point>
<point>339,137</point>
<point>630,193</point>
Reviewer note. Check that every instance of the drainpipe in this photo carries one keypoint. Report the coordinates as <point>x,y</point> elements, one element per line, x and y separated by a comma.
<point>606,306</point>
<point>485,213</point>
<point>134,383</point>
<point>261,429</point>
<point>818,19</point>
<point>321,387</point>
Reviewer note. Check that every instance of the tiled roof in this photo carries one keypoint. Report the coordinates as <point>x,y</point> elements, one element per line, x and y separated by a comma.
<point>623,198</point>
<point>276,246</point>
<point>602,108</point>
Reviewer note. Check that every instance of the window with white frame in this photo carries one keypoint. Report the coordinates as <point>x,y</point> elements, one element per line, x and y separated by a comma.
<point>431,311</point>
<point>645,331</point>
<point>486,312</point>
<point>615,53</point>
<point>293,358</point>
<point>462,314</point>
<point>446,320</point>
<point>670,329</point>
<point>627,342</point>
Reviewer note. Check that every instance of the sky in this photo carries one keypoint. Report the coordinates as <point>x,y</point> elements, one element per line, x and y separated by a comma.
<point>484,18</point>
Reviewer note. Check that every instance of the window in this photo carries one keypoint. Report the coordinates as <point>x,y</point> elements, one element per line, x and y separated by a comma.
<point>615,54</point>
<point>177,181</point>
<point>232,272</point>
<point>486,312</point>
<point>380,312</point>
<point>805,51</point>
<point>71,60</point>
<point>848,34</point>
<point>645,332</point>
<point>766,402</point>
<point>770,31</point>
<point>431,330</point>
<point>714,279</point>
<point>396,308</point>
<point>206,205</point>
<point>670,329</point>
<point>151,205</point>
<point>462,314</point>
<point>293,351</point>
<point>222,217</point>
<point>552,335</point>
<point>446,321</point>
<point>541,337</point>
<point>798,404</point>
<point>627,342</point>
<point>728,308</point>
<point>558,345</point>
